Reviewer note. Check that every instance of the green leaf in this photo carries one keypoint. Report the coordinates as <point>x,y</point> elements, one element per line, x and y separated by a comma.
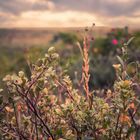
<point>129,41</point>
<point>120,60</point>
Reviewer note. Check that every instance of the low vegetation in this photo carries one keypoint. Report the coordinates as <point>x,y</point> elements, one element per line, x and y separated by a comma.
<point>47,104</point>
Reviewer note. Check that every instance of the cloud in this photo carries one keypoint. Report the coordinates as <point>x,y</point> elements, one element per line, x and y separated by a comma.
<point>104,7</point>
<point>55,19</point>
<point>18,6</point>
<point>69,12</point>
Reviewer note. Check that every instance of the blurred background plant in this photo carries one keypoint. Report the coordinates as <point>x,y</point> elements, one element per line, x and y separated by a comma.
<point>14,54</point>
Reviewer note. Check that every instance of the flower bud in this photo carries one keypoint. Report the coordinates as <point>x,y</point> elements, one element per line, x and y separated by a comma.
<point>21,74</point>
<point>51,50</point>
<point>55,56</point>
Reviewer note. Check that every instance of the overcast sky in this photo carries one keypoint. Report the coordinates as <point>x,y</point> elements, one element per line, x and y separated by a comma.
<point>69,13</point>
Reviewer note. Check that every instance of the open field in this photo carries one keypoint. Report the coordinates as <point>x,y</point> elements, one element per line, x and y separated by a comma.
<point>22,37</point>
<point>25,37</point>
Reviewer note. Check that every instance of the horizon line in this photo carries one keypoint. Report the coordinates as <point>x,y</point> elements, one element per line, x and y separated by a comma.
<point>69,27</point>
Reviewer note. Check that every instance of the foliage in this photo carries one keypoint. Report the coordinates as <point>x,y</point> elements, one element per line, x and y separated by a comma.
<point>47,105</point>
<point>101,53</point>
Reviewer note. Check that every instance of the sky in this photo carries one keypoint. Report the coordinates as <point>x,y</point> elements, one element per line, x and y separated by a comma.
<point>69,13</point>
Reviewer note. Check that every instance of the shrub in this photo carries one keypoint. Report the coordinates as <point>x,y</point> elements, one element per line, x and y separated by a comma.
<point>48,106</point>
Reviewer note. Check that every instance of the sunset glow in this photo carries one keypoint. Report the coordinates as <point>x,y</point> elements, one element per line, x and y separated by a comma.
<point>63,13</point>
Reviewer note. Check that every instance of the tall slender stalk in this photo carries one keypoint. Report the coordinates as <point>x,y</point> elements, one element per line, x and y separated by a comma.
<point>85,67</point>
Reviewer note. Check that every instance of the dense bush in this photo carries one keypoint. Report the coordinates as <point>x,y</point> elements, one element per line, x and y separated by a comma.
<point>48,105</point>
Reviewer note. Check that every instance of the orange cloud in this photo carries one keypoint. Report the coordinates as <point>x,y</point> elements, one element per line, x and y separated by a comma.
<point>55,19</point>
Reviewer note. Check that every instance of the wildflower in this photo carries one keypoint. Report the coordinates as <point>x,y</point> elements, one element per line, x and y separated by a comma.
<point>115,42</point>
<point>116,66</point>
